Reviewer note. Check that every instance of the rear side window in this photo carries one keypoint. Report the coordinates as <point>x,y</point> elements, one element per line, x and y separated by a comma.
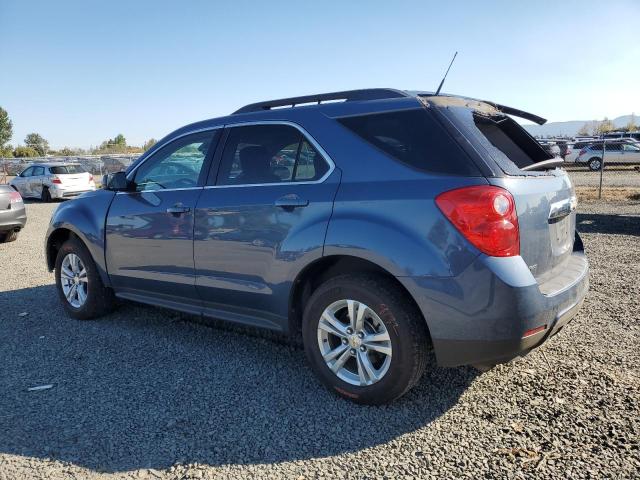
<point>67,170</point>
<point>262,154</point>
<point>414,138</point>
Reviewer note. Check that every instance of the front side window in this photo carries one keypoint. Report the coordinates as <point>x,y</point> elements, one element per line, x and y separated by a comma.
<point>27,173</point>
<point>37,171</point>
<point>177,165</point>
<point>263,154</point>
<point>631,148</point>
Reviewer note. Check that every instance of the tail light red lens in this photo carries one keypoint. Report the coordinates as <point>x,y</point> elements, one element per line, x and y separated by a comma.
<point>56,180</point>
<point>486,216</point>
<point>15,197</point>
<point>90,178</point>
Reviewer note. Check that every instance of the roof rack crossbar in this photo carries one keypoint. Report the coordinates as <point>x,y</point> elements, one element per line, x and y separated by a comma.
<point>349,95</point>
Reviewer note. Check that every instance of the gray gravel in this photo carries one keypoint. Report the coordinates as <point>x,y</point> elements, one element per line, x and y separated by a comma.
<point>146,393</point>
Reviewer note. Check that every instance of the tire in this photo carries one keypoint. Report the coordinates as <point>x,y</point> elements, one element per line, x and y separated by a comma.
<point>405,329</point>
<point>46,195</point>
<point>99,300</point>
<point>595,164</point>
<point>6,237</point>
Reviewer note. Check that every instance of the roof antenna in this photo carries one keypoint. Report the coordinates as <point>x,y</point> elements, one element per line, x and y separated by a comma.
<point>446,73</point>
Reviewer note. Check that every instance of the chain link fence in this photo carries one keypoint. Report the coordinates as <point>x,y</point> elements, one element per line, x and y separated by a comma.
<point>97,165</point>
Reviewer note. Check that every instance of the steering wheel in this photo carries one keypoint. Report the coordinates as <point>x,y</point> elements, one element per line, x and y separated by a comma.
<point>185,182</point>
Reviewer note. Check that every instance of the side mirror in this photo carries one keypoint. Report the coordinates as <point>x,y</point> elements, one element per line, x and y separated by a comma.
<point>116,181</point>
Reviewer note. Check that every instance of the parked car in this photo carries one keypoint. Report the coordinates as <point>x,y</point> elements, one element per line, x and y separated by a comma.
<point>616,152</point>
<point>435,222</point>
<point>47,181</point>
<point>13,216</point>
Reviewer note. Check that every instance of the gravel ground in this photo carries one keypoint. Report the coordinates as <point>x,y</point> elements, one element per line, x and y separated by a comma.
<point>146,393</point>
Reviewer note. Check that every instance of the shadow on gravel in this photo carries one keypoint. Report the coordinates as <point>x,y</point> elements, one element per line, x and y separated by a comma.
<point>146,388</point>
<point>610,224</point>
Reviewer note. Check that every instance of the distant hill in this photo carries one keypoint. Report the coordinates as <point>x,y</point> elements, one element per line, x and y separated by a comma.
<point>570,128</point>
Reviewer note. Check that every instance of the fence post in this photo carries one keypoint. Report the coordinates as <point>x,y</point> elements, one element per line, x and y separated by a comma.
<point>604,149</point>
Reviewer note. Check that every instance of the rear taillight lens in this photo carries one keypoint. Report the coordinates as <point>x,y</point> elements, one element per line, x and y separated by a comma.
<point>56,180</point>
<point>90,178</point>
<point>486,216</point>
<point>14,197</point>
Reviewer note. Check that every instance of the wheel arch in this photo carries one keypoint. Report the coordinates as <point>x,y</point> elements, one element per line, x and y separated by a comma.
<point>326,267</point>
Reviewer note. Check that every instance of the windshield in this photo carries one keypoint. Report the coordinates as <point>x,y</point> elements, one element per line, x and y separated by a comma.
<point>67,170</point>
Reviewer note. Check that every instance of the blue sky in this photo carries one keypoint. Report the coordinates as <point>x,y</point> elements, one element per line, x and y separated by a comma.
<point>78,72</point>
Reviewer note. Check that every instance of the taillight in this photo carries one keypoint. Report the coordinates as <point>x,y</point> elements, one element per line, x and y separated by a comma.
<point>90,178</point>
<point>56,180</point>
<point>15,197</point>
<point>486,216</point>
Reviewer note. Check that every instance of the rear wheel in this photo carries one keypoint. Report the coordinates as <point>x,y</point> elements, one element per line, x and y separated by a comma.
<point>595,164</point>
<point>364,339</point>
<point>78,282</point>
<point>46,195</point>
<point>6,237</point>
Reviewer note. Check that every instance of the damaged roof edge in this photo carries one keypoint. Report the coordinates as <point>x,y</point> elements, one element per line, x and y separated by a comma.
<point>455,100</point>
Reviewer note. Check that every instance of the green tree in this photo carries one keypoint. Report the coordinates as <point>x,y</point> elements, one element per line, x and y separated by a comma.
<point>6,127</point>
<point>39,144</point>
<point>604,126</point>
<point>21,152</point>
<point>6,151</point>
<point>149,143</point>
<point>585,130</point>
<point>120,140</point>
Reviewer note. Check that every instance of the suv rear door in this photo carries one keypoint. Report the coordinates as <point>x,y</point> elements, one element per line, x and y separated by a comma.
<point>262,216</point>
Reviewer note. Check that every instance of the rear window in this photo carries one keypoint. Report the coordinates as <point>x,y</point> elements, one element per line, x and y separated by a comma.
<point>504,140</point>
<point>67,170</point>
<point>415,138</point>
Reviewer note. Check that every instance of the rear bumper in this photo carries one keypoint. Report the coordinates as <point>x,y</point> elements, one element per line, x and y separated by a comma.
<point>69,193</point>
<point>13,219</point>
<point>484,315</point>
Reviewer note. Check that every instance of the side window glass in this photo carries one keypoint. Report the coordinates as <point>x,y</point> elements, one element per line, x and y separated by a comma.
<point>177,165</point>
<point>37,171</point>
<point>27,173</point>
<point>263,154</point>
<point>310,165</point>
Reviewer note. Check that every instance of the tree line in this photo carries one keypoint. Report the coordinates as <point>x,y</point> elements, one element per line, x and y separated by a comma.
<point>35,145</point>
<point>598,128</point>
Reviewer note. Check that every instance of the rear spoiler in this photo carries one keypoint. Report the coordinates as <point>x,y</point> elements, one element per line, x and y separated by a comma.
<point>501,108</point>
<point>518,113</point>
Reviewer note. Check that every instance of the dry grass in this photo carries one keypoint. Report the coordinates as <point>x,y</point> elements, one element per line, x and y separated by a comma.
<point>608,193</point>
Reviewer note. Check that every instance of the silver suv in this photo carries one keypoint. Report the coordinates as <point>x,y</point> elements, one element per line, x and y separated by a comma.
<point>47,181</point>
<point>626,152</point>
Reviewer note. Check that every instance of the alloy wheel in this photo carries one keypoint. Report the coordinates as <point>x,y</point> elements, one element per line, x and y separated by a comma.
<point>74,281</point>
<point>354,342</point>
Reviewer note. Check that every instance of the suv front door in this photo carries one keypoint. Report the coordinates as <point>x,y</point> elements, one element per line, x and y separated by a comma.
<point>149,231</point>
<point>21,182</point>
<point>262,218</point>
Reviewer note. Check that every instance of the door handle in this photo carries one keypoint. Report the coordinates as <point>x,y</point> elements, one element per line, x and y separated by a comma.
<point>291,201</point>
<point>178,209</point>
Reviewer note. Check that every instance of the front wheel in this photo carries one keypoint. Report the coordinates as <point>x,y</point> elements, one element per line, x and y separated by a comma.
<point>364,338</point>
<point>79,285</point>
<point>595,164</point>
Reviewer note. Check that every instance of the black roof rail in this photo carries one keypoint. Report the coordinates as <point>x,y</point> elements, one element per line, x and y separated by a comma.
<point>348,95</point>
